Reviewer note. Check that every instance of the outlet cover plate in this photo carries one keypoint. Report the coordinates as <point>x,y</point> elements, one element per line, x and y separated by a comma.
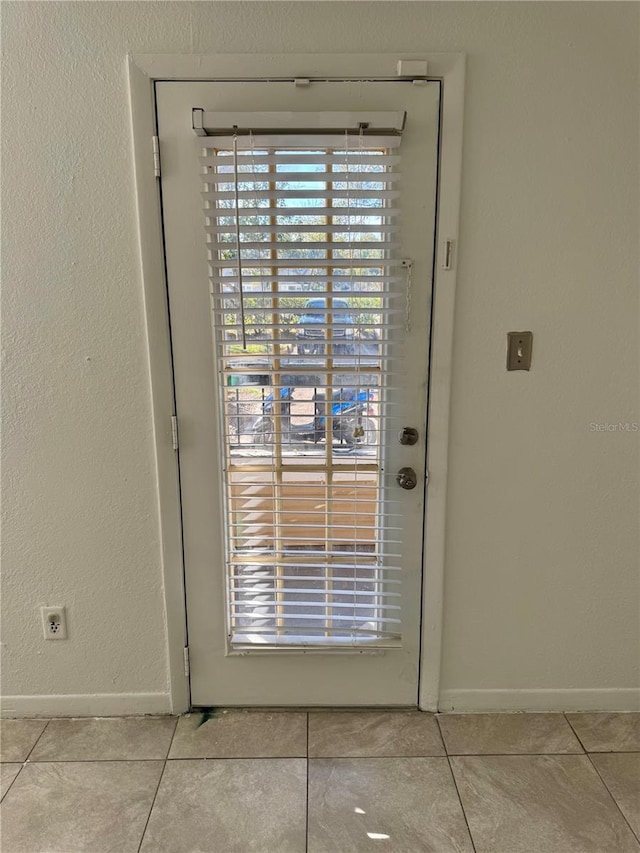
<point>54,623</point>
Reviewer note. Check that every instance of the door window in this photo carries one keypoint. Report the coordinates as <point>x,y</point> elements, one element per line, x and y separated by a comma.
<point>307,287</point>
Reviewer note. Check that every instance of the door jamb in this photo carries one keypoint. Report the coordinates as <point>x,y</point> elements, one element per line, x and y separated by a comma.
<point>143,71</point>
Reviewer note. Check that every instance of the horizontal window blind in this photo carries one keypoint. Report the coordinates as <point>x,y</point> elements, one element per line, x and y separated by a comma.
<point>309,301</point>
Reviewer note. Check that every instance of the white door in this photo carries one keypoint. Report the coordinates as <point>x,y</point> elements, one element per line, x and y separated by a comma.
<point>298,361</point>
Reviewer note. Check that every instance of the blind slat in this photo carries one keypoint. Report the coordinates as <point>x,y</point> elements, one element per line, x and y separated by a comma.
<point>287,211</point>
<point>246,578</point>
<point>300,246</point>
<point>248,180</point>
<point>337,228</point>
<point>294,557</point>
<point>301,632</point>
<point>353,158</point>
<point>359,593</point>
<point>307,263</point>
<point>288,604</point>
<point>309,194</point>
<point>353,620</point>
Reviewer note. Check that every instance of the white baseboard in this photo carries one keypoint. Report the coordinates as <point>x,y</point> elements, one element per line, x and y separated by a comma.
<point>86,705</point>
<point>604,699</point>
<point>124,704</point>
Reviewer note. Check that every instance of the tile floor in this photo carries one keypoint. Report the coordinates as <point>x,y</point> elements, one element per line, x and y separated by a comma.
<point>298,782</point>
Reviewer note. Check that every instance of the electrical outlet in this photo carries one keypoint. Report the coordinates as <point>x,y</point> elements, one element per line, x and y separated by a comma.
<point>54,623</point>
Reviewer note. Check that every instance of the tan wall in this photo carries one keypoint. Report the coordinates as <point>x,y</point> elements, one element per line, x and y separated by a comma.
<point>541,588</point>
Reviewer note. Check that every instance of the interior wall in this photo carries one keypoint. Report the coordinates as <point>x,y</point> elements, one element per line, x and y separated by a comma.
<point>542,590</point>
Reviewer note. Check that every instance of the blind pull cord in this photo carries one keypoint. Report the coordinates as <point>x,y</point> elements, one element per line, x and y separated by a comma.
<point>237,218</point>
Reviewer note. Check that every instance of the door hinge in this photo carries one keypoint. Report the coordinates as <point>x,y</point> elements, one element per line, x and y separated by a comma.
<point>447,255</point>
<point>174,432</point>
<point>187,662</point>
<point>156,156</point>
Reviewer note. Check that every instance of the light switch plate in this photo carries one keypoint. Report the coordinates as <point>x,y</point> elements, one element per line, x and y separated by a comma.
<point>519,347</point>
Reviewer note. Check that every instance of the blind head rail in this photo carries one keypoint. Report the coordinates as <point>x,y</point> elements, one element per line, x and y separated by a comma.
<point>216,124</point>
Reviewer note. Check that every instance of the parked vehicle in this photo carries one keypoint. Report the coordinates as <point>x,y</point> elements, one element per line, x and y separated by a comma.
<point>312,336</point>
<point>350,421</point>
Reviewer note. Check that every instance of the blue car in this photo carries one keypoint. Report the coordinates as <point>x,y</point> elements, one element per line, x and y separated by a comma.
<point>311,337</point>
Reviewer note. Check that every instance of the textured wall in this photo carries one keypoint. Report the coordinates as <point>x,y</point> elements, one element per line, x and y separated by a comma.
<point>542,559</point>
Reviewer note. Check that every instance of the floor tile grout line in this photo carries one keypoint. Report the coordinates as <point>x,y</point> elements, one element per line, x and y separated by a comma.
<point>441,733</point>
<point>153,802</point>
<point>613,752</point>
<point>164,767</point>
<point>173,735</point>
<point>24,763</point>
<point>37,741</point>
<point>598,772</point>
<point>29,760</point>
<point>381,757</point>
<point>575,733</point>
<point>22,766</point>
<point>92,761</point>
<point>160,758</point>
<point>600,751</point>
<point>319,757</point>
<point>509,754</point>
<point>624,817</point>
<point>462,754</point>
<point>464,814</point>
<point>472,755</point>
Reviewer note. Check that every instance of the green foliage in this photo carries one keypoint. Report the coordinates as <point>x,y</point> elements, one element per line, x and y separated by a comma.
<point>363,310</point>
<point>300,246</point>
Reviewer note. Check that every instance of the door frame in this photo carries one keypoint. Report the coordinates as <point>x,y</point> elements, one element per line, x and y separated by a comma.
<point>143,72</point>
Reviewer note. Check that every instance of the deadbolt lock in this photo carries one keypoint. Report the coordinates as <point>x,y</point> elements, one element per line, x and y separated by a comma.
<point>408,435</point>
<point>407,478</point>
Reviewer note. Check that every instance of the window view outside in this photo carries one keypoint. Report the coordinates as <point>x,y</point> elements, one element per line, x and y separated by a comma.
<point>305,291</point>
